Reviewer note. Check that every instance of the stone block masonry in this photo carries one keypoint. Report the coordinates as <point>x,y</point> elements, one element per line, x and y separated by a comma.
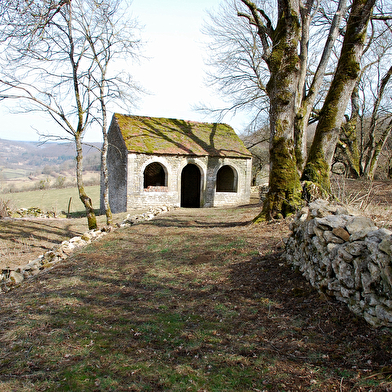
<point>344,256</point>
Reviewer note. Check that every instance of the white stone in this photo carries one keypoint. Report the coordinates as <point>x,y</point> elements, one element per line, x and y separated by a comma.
<point>342,253</point>
<point>386,245</point>
<point>333,221</point>
<point>374,271</point>
<point>346,293</point>
<point>319,244</point>
<point>331,247</point>
<point>384,314</point>
<point>75,239</point>
<point>359,223</point>
<point>16,277</point>
<point>311,227</point>
<point>366,280</point>
<point>346,275</point>
<point>319,232</point>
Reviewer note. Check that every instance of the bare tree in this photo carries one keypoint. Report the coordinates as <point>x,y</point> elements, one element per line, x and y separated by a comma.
<point>274,69</point>
<point>111,36</point>
<point>318,165</point>
<point>366,131</point>
<point>364,135</point>
<point>285,51</point>
<point>375,144</point>
<point>285,30</point>
<point>57,61</point>
<point>237,69</point>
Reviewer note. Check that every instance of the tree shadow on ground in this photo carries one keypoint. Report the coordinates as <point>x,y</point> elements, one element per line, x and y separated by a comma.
<point>158,304</point>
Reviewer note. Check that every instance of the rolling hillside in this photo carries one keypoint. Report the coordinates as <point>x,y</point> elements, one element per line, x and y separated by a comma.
<point>28,165</point>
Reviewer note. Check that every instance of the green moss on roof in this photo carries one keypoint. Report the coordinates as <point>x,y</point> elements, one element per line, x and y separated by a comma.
<point>151,135</point>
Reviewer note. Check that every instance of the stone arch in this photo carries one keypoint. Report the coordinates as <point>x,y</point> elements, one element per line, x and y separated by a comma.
<point>155,174</point>
<point>227,179</point>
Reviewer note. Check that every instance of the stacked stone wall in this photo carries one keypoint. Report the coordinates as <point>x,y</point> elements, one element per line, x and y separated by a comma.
<point>345,256</point>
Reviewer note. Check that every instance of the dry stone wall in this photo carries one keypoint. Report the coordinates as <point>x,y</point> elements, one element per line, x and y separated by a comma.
<point>344,256</point>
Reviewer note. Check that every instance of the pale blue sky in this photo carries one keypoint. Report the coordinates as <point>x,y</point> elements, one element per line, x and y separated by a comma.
<point>174,75</point>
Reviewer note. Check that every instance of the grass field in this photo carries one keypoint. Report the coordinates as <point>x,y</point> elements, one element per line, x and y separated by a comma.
<point>52,199</point>
<point>195,300</point>
<point>13,173</point>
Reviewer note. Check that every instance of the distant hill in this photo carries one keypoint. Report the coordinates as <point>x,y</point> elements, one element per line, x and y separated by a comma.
<point>33,157</point>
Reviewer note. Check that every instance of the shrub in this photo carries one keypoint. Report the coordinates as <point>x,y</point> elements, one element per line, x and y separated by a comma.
<point>47,170</point>
<point>44,184</point>
<point>5,209</point>
<point>60,182</point>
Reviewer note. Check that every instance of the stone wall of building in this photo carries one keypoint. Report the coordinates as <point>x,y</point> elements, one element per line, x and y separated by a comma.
<point>344,256</point>
<point>126,178</point>
<point>117,161</point>
<point>170,194</point>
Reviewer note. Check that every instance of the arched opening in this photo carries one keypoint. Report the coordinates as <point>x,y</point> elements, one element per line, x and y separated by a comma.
<point>154,175</point>
<point>226,180</point>
<point>190,186</point>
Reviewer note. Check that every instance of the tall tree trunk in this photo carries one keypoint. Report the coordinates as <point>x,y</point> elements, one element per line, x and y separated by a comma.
<point>374,147</point>
<point>318,165</point>
<point>105,180</point>
<point>91,218</point>
<point>104,151</point>
<point>305,104</point>
<point>78,134</point>
<point>284,196</point>
<point>103,66</point>
<point>372,158</point>
<point>347,144</point>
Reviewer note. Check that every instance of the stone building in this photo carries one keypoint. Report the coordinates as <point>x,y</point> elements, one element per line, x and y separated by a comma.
<point>161,161</point>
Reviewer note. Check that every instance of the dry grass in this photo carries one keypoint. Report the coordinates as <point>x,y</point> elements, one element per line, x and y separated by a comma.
<point>194,300</point>
<point>370,198</point>
<point>23,240</point>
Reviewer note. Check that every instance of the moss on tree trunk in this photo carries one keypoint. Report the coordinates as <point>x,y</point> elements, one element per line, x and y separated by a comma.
<point>284,196</point>
<point>318,165</point>
<point>348,147</point>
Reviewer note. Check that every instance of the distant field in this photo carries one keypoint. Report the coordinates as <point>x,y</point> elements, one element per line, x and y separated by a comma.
<point>52,199</point>
<point>21,180</point>
<point>13,173</point>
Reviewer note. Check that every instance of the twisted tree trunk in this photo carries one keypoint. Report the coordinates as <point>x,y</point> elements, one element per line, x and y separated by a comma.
<point>91,218</point>
<point>318,165</point>
<point>284,196</point>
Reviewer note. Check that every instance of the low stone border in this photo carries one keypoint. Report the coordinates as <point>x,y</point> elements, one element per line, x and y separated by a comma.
<point>10,278</point>
<point>344,256</point>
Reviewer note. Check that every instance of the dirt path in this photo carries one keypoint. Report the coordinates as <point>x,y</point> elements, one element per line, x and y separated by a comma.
<point>193,300</point>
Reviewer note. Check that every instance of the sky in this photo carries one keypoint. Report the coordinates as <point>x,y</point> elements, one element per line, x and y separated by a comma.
<point>174,74</point>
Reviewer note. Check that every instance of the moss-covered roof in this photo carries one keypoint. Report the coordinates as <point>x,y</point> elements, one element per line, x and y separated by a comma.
<point>150,135</point>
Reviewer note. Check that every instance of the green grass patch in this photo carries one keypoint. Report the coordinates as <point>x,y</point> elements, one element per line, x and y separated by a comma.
<point>53,199</point>
<point>169,305</point>
<point>13,173</point>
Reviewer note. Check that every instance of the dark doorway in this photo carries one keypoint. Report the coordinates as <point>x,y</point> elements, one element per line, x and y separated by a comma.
<point>190,186</point>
